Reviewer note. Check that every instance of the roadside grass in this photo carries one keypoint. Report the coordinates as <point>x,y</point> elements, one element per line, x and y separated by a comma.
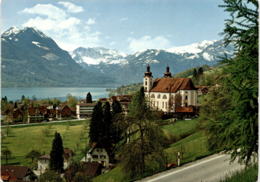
<point>184,135</point>
<point>22,139</point>
<point>247,175</point>
<point>115,175</point>
<point>191,148</point>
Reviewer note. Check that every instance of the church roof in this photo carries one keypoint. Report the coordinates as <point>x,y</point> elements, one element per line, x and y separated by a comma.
<point>172,85</point>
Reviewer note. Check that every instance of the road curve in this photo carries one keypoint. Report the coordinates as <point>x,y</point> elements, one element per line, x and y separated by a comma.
<point>210,169</point>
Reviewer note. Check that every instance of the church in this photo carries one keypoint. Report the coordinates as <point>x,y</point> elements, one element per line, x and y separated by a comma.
<point>168,94</point>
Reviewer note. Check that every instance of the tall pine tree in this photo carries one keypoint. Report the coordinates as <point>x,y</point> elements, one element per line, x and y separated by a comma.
<point>96,124</point>
<point>56,154</point>
<point>236,127</point>
<point>88,98</point>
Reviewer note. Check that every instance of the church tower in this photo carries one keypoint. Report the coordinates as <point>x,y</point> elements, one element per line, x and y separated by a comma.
<point>167,73</point>
<point>148,79</point>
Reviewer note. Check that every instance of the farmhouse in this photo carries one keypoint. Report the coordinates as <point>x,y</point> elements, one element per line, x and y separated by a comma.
<point>98,154</point>
<point>169,94</point>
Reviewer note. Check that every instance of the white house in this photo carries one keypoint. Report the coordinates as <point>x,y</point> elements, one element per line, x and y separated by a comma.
<point>98,154</point>
<point>44,161</point>
<point>169,94</point>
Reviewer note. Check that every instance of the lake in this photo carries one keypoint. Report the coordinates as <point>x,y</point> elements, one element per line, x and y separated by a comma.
<point>53,92</point>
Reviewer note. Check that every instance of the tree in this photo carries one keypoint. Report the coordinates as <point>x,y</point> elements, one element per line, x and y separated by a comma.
<point>71,101</point>
<point>33,154</point>
<point>7,154</point>
<point>116,107</point>
<point>144,138</point>
<point>22,98</point>
<point>195,73</point>
<point>239,123</point>
<point>50,176</point>
<point>89,98</point>
<point>56,154</point>
<point>96,122</point>
<point>106,141</point>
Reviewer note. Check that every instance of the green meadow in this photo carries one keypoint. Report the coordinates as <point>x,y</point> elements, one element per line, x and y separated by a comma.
<point>22,139</point>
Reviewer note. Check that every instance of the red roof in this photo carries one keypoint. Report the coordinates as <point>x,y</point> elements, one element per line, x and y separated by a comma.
<point>172,85</point>
<point>14,171</point>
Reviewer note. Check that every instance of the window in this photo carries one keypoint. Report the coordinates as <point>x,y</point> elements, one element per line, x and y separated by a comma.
<point>162,104</point>
<point>152,96</point>
<point>164,97</point>
<point>159,96</point>
<point>145,83</point>
<point>95,156</point>
<point>186,97</point>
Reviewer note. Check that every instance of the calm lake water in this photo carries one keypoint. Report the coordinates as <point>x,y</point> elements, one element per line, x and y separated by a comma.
<point>53,92</point>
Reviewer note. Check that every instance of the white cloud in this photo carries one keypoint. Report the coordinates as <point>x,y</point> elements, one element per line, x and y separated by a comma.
<point>72,8</point>
<point>48,10</point>
<point>123,19</point>
<point>91,21</point>
<point>148,42</point>
<point>68,31</point>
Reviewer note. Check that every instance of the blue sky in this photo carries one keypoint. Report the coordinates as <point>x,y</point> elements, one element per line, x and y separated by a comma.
<point>126,25</point>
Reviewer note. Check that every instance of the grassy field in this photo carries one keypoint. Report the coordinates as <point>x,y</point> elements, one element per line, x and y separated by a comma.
<point>246,175</point>
<point>186,137</point>
<point>21,140</point>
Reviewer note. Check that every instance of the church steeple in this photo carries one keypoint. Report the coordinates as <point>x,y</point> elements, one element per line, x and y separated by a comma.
<point>167,73</point>
<point>148,73</point>
<point>148,79</point>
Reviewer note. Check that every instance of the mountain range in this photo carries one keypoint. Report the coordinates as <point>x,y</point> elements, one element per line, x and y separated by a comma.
<point>30,58</point>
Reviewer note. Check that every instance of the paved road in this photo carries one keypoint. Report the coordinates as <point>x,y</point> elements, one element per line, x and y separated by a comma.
<point>209,169</point>
<point>49,122</point>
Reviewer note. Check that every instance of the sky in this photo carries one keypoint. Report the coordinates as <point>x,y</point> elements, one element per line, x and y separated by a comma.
<point>124,25</point>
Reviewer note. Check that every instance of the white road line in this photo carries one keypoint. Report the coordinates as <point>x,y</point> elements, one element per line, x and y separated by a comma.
<point>188,167</point>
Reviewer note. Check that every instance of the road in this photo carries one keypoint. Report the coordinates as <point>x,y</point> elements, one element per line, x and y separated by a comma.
<point>47,122</point>
<point>210,169</point>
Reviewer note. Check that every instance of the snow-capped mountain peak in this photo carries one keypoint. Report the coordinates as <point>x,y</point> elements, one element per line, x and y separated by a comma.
<point>97,55</point>
<point>192,48</point>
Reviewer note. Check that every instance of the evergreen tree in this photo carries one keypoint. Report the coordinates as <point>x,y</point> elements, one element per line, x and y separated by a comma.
<point>56,154</point>
<point>89,98</point>
<point>15,105</point>
<point>236,127</point>
<point>96,122</point>
<point>200,71</point>
<point>106,140</point>
<point>116,107</point>
<point>195,73</point>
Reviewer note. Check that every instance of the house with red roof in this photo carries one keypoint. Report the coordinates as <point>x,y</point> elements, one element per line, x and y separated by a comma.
<point>11,173</point>
<point>169,94</point>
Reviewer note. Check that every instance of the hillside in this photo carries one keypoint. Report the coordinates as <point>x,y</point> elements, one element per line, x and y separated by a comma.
<point>210,77</point>
<point>30,58</point>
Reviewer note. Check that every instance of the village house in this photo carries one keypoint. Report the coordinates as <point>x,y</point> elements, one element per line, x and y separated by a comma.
<point>17,173</point>
<point>44,161</point>
<point>169,94</point>
<point>64,111</point>
<point>98,154</point>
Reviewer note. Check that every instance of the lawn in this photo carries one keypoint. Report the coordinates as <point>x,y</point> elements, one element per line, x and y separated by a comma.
<point>21,140</point>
